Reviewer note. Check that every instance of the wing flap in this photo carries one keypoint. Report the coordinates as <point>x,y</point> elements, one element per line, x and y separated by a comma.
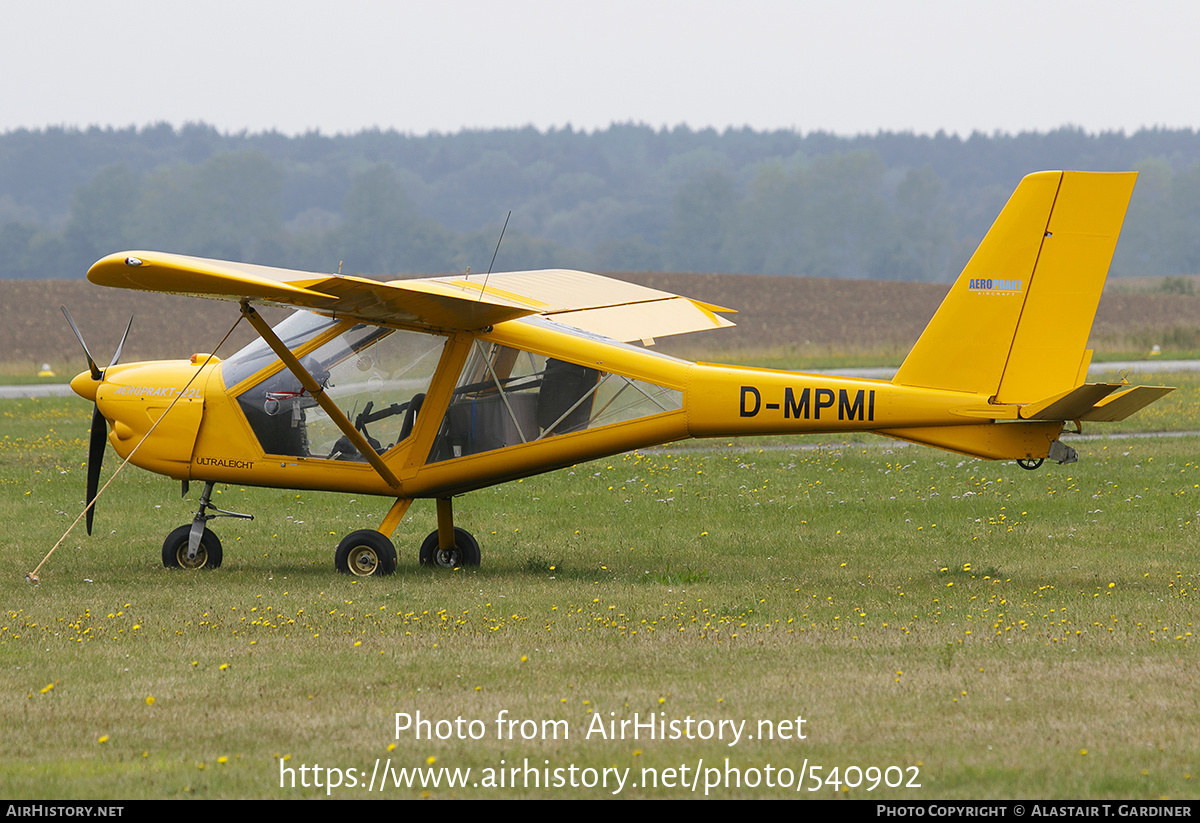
<point>556,290</point>
<point>641,321</point>
<point>597,304</point>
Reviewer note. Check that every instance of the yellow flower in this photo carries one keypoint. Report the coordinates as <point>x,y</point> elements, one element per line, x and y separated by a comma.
<point>150,700</point>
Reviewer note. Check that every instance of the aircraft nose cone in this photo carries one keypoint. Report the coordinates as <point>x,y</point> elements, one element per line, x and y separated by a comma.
<point>84,386</point>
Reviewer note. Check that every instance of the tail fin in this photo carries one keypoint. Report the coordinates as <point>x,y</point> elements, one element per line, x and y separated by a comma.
<point>1015,324</point>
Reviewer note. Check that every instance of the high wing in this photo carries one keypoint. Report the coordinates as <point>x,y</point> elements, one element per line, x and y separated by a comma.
<point>601,305</point>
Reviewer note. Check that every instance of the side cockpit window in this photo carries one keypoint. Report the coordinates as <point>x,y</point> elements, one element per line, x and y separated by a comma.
<point>508,397</point>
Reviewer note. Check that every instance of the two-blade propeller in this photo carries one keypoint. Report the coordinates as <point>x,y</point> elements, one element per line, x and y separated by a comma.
<point>99,424</point>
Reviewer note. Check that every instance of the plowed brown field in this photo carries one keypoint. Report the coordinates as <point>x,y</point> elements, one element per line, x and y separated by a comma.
<point>805,315</point>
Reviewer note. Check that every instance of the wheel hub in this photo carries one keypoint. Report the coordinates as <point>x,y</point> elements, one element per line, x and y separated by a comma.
<point>196,562</point>
<point>363,562</point>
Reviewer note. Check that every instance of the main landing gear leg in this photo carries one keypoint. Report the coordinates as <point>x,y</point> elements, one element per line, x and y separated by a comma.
<point>449,547</point>
<point>445,520</point>
<point>395,514</point>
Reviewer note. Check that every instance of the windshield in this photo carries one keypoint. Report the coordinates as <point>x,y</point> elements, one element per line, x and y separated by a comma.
<point>294,332</point>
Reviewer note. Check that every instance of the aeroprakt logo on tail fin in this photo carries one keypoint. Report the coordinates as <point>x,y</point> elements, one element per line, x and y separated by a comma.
<point>989,285</point>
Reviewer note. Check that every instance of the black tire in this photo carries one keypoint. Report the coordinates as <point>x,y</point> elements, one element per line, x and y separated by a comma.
<point>364,553</point>
<point>175,550</point>
<point>464,554</point>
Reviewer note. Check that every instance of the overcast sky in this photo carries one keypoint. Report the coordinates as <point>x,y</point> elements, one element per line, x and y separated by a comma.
<point>847,67</point>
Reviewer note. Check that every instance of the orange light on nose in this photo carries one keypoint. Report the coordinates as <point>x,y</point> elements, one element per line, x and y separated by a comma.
<point>199,358</point>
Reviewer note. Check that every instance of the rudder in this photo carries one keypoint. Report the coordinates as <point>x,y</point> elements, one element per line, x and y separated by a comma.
<point>1048,350</point>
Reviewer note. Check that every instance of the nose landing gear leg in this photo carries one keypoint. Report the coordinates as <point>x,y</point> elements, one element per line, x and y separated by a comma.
<point>195,546</point>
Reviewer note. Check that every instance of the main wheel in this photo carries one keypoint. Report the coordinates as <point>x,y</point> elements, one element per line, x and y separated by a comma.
<point>175,550</point>
<point>465,551</point>
<point>364,553</point>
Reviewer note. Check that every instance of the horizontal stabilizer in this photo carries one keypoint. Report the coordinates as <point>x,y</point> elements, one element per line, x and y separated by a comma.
<point>1069,405</point>
<point>1122,405</point>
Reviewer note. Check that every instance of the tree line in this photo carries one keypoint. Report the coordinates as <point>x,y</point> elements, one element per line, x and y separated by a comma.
<point>887,206</point>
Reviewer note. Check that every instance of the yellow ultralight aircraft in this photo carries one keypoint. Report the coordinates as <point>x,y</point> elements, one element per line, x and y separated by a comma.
<point>432,388</point>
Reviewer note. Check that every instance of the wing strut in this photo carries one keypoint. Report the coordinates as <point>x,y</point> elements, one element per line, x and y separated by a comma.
<point>318,393</point>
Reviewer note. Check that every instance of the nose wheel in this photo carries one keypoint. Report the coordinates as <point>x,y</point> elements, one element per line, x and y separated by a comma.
<point>175,553</point>
<point>194,546</point>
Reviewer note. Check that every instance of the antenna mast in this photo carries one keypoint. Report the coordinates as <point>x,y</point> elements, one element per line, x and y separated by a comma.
<point>497,251</point>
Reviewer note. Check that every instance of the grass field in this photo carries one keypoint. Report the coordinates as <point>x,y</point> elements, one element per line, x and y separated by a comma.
<point>977,629</point>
